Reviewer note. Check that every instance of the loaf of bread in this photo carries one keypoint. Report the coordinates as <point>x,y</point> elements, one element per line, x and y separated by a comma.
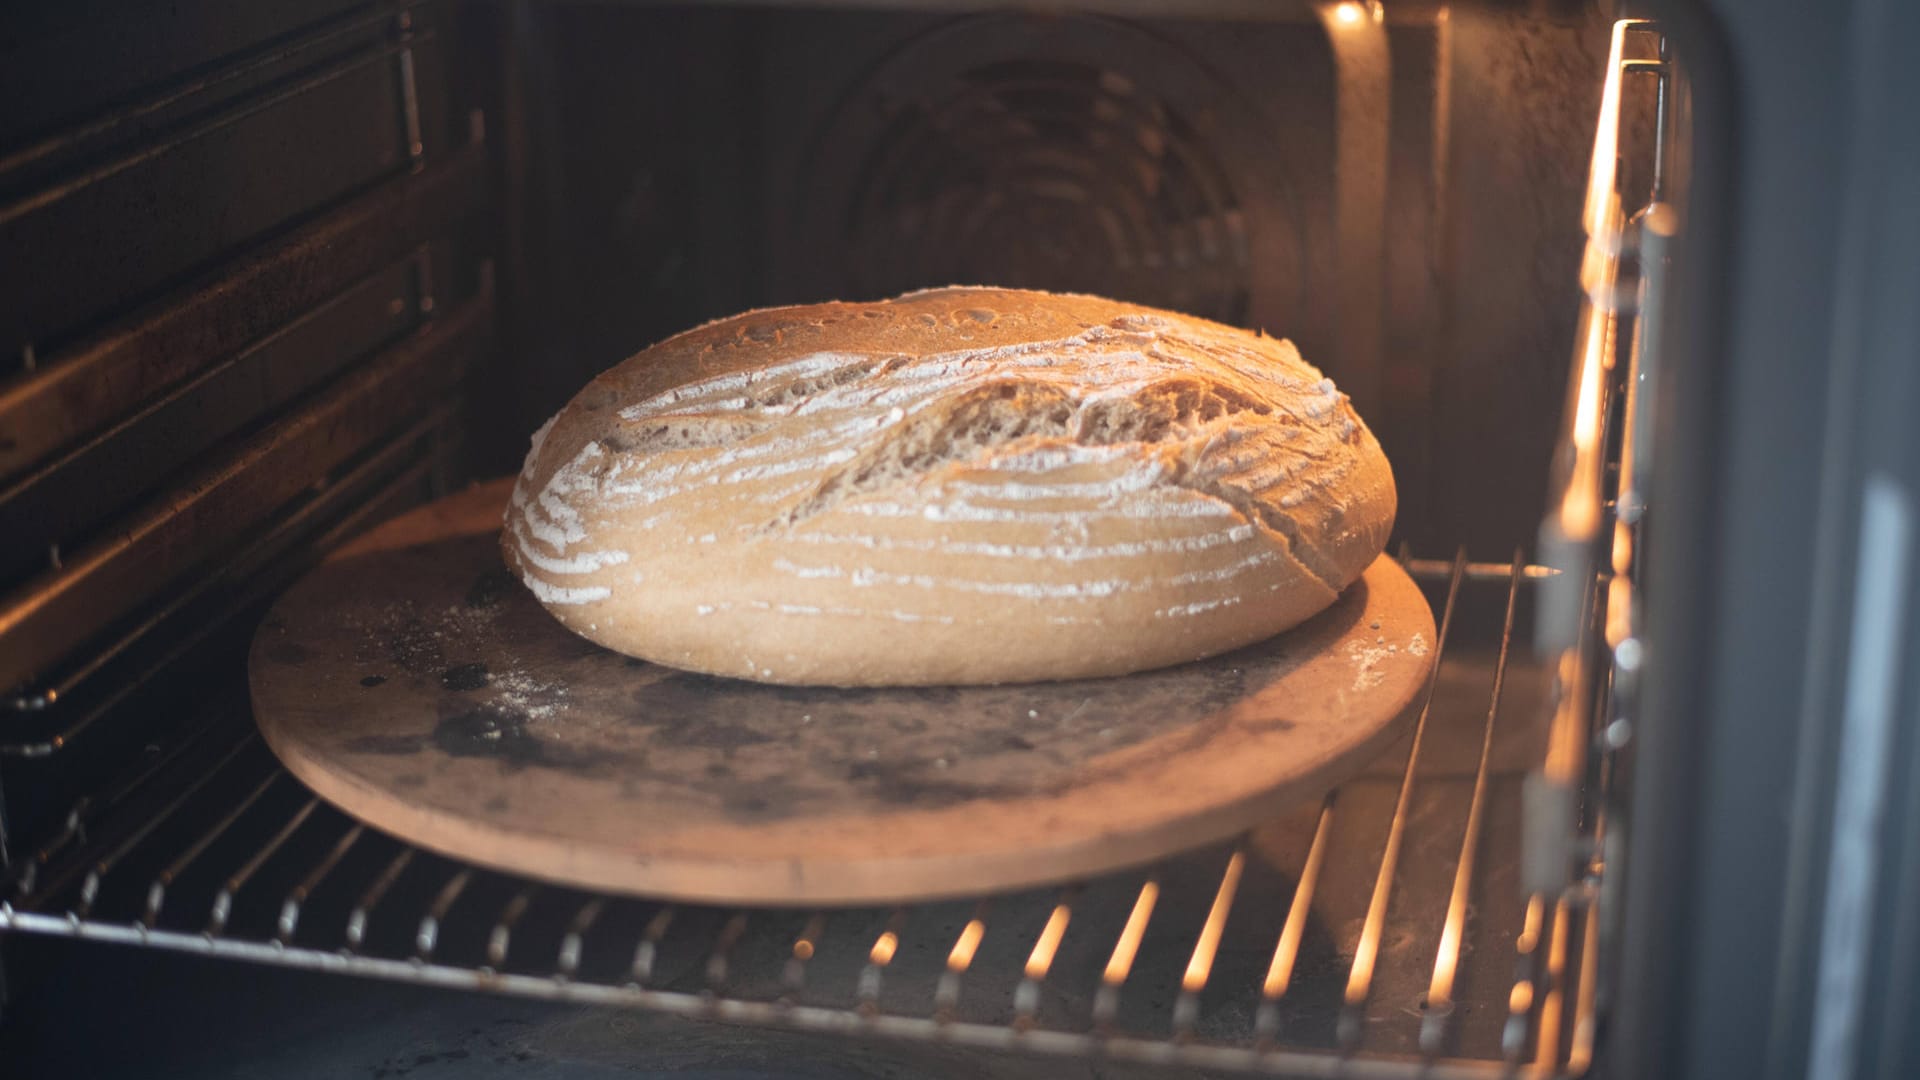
<point>961,485</point>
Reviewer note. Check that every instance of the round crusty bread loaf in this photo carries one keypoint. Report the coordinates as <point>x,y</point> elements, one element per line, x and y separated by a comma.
<point>961,485</point>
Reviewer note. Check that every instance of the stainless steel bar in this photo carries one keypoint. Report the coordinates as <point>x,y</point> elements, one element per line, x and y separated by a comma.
<point>130,364</point>
<point>1026,996</point>
<point>878,957</point>
<point>1286,952</point>
<point>1186,1008</point>
<point>1442,569</point>
<point>409,92</point>
<point>1520,1000</point>
<point>356,933</point>
<point>1553,1006</point>
<point>1308,1064</point>
<point>1367,949</point>
<point>1106,1000</point>
<point>90,888</point>
<point>1585,1025</point>
<point>281,535</point>
<point>290,907</point>
<point>101,803</point>
<point>946,994</point>
<point>428,936</point>
<point>122,570</point>
<point>228,117</point>
<point>719,958</point>
<point>574,942</point>
<point>71,137</point>
<point>648,950</point>
<point>223,900</point>
<point>501,936</point>
<point>157,891</point>
<point>283,530</point>
<point>1433,1025</point>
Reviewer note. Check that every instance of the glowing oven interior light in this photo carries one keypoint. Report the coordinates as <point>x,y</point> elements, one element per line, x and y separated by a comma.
<point>1354,13</point>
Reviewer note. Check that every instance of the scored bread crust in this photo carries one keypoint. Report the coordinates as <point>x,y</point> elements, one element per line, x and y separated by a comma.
<point>960,485</point>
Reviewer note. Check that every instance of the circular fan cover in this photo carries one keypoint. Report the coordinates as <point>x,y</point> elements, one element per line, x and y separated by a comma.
<point>1086,155</point>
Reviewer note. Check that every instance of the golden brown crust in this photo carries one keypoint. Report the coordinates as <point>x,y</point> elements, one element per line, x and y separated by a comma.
<point>955,486</point>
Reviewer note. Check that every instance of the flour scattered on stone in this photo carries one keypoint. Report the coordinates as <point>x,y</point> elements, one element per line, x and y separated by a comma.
<point>1366,664</point>
<point>538,699</point>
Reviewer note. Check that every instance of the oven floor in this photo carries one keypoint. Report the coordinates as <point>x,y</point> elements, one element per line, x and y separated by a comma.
<point>86,1010</point>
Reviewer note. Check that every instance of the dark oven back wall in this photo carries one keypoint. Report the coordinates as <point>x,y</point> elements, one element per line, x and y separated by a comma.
<point>668,166</point>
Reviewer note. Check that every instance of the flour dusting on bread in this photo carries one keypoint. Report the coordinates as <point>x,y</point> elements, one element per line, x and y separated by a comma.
<point>912,491</point>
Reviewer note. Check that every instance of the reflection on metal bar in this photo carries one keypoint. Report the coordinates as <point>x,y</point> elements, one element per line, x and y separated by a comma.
<point>1602,178</point>
<point>500,938</point>
<point>878,957</point>
<point>75,136</point>
<point>1433,1025</point>
<point>1308,1064</point>
<point>339,69</point>
<point>1659,225</point>
<point>157,891</point>
<point>718,958</point>
<point>804,946</point>
<point>960,957</point>
<point>881,954</point>
<point>1026,996</point>
<point>90,889</point>
<point>99,804</point>
<point>409,94</point>
<point>1367,949</point>
<point>1442,569</point>
<point>645,953</point>
<point>1513,1036</point>
<point>1592,895</point>
<point>428,936</point>
<point>1286,952</point>
<point>1363,77</point>
<point>1553,1006</point>
<point>1580,1053</point>
<point>54,613</point>
<point>1186,1008</point>
<point>1574,532</point>
<point>290,907</point>
<point>946,995</point>
<point>223,900</point>
<point>120,371</point>
<point>370,899</point>
<point>1106,1001</point>
<point>284,529</point>
<point>568,962</point>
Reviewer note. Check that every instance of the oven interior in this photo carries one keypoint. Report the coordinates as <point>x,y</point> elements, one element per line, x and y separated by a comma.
<point>293,268</point>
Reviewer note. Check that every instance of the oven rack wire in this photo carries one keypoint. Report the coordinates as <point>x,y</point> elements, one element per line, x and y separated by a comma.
<point>208,847</point>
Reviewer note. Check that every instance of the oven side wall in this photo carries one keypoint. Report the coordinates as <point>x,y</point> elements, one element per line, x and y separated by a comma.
<point>249,280</point>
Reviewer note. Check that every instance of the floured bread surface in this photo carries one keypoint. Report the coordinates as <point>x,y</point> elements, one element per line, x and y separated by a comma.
<point>956,486</point>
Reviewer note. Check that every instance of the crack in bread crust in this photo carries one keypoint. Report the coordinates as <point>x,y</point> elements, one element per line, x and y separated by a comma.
<point>1009,415</point>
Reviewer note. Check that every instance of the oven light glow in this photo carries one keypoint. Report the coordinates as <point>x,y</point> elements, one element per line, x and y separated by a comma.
<point>1348,13</point>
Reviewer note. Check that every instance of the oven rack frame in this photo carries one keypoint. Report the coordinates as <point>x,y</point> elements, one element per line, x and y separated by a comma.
<point>82,884</point>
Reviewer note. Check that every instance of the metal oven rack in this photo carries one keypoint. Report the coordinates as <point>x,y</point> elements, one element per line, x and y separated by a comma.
<point>1378,933</point>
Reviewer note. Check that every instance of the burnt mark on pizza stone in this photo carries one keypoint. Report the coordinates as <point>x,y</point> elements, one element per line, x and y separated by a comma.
<point>463,677</point>
<point>489,588</point>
